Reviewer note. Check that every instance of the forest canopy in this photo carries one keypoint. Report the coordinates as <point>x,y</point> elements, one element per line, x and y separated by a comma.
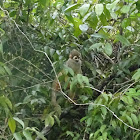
<point>36,38</point>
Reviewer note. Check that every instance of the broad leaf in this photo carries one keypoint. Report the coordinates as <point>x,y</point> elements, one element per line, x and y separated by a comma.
<point>49,120</point>
<point>130,28</point>
<point>129,120</point>
<point>125,9</point>
<point>104,110</point>
<point>134,118</point>
<point>83,9</point>
<point>108,49</point>
<point>123,40</point>
<point>99,9</point>
<point>69,133</point>
<point>1,48</point>
<point>83,27</point>
<point>17,136</point>
<point>112,6</point>
<point>89,121</point>
<point>19,121</point>
<point>86,16</point>
<point>12,124</point>
<point>71,7</point>
<point>102,128</point>
<point>27,134</point>
<point>95,46</point>
<point>136,76</point>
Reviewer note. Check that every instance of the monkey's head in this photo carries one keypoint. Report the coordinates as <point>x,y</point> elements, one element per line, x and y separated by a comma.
<point>74,61</point>
<point>75,55</point>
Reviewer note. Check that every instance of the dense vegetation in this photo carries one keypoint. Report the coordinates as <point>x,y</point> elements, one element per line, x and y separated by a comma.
<point>36,37</point>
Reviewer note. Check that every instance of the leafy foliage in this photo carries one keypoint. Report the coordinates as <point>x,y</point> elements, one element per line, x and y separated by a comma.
<point>37,36</point>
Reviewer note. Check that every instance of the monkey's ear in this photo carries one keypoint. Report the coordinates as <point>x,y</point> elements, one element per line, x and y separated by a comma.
<point>70,56</point>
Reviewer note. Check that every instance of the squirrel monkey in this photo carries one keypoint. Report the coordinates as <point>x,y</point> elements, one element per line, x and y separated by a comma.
<point>74,62</point>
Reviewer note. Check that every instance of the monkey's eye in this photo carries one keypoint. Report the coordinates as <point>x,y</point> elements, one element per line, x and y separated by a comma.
<point>75,57</point>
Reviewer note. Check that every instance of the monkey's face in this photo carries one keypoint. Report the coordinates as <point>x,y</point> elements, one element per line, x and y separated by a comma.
<point>77,59</point>
<point>75,56</point>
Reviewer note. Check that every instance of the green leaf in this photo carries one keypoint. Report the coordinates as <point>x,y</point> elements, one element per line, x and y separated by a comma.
<point>43,2</point>
<point>1,48</point>
<point>89,121</point>
<point>138,5</point>
<point>17,136</point>
<point>83,119</point>
<point>2,71</point>
<point>113,123</point>
<point>93,20</point>
<point>83,27</point>
<point>99,35</point>
<point>125,9</point>
<point>83,98</point>
<point>123,40</point>
<point>103,19</point>
<point>102,128</point>
<point>129,119</point>
<point>99,9</point>
<point>2,32</point>
<point>107,13</point>
<point>12,124</point>
<point>2,137</point>
<point>137,136</point>
<point>95,46</point>
<point>134,118</point>
<point>131,29</point>
<point>71,7</point>
<point>125,23</point>
<point>52,51</point>
<point>69,133</point>
<point>4,106</point>
<point>108,27</point>
<point>111,7</point>
<point>104,110</point>
<point>73,83</point>
<point>70,70</point>
<point>58,3</point>
<point>86,16</point>
<point>57,109</point>
<point>39,134</point>
<point>83,9</point>
<point>7,101</point>
<point>57,120</point>
<point>27,134</point>
<point>77,30</point>
<point>108,49</point>
<point>136,76</point>
<point>85,80</point>
<point>79,79</point>
<point>127,99</point>
<point>90,107</point>
<point>49,120</point>
<point>132,92</point>
<point>19,121</point>
<point>96,134</point>
<point>104,136</point>
<point>55,14</point>
<point>7,70</point>
<point>130,100</point>
<point>70,18</point>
